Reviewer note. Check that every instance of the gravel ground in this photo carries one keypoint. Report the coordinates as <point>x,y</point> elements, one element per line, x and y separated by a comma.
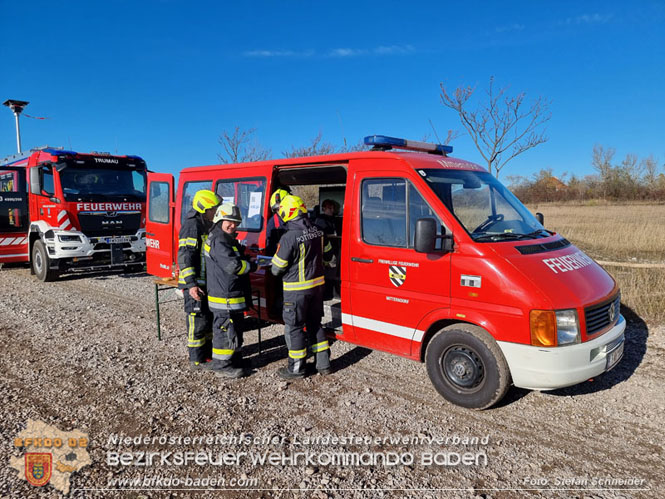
<point>82,353</point>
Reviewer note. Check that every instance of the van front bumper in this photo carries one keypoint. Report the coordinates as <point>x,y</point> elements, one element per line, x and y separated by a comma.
<point>537,368</point>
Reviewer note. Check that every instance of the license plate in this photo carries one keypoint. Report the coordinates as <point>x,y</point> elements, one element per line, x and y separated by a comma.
<point>116,240</point>
<point>614,356</point>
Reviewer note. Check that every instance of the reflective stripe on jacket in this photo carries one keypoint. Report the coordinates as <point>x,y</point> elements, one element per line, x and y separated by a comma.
<point>228,271</point>
<point>300,256</point>
<point>191,262</point>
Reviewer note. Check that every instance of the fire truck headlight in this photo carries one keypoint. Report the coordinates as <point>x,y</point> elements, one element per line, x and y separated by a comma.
<point>69,239</point>
<point>567,327</point>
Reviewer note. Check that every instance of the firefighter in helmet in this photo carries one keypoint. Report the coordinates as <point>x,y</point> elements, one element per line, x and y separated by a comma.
<point>275,227</point>
<point>229,290</point>
<point>300,258</point>
<point>192,278</point>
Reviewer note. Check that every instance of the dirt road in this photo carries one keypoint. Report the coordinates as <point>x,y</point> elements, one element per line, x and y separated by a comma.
<point>82,353</point>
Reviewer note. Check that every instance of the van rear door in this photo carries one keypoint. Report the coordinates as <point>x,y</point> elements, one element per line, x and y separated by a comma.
<point>392,287</point>
<point>159,225</point>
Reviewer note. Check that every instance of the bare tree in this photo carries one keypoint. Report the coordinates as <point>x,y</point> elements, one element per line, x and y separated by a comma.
<point>317,147</point>
<point>501,128</point>
<point>241,146</point>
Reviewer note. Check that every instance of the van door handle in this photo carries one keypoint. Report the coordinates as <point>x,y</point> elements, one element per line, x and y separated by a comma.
<point>150,234</point>
<point>361,260</point>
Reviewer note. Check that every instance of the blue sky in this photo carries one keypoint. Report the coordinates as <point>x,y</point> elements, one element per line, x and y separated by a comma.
<point>162,79</point>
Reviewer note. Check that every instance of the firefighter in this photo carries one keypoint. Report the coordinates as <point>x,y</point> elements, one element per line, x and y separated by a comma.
<point>229,290</point>
<point>274,231</point>
<point>275,227</point>
<point>300,259</point>
<point>192,280</point>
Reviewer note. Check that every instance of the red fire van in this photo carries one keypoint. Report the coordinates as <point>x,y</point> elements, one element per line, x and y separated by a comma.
<point>438,262</point>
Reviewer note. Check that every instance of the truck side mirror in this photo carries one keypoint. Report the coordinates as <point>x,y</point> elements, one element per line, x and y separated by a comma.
<point>540,218</point>
<point>35,181</point>
<point>425,239</point>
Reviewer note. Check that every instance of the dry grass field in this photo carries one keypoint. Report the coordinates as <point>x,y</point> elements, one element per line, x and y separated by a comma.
<point>628,234</point>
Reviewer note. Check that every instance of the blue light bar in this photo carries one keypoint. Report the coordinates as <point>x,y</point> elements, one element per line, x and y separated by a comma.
<point>59,152</point>
<point>385,142</point>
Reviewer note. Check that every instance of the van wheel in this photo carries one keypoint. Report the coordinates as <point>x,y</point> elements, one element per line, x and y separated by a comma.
<point>41,263</point>
<point>467,367</point>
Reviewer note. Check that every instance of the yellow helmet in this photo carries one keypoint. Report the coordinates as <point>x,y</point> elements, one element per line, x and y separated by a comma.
<point>277,198</point>
<point>204,200</point>
<point>291,208</point>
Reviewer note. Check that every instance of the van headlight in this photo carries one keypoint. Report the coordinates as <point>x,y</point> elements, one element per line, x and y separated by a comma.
<point>567,327</point>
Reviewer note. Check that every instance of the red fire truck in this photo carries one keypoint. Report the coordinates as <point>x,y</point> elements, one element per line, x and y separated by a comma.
<point>438,262</point>
<point>67,211</point>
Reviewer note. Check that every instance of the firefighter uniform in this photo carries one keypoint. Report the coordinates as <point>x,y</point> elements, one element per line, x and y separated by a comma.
<point>300,258</point>
<point>229,292</point>
<point>191,261</point>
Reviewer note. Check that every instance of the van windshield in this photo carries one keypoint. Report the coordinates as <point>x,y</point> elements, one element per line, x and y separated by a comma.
<point>486,209</point>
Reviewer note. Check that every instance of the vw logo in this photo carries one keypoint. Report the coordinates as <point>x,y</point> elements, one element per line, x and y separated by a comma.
<point>612,311</point>
<point>111,214</point>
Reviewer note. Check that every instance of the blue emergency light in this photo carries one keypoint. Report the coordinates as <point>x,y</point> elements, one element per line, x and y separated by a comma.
<point>383,142</point>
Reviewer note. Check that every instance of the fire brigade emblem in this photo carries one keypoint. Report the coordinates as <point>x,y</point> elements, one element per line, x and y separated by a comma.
<point>397,275</point>
<point>38,468</point>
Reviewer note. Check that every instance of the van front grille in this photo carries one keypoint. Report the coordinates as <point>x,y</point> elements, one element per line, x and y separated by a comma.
<point>600,316</point>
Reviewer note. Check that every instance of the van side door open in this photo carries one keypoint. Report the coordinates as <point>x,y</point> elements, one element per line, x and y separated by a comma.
<point>159,225</point>
<point>392,287</point>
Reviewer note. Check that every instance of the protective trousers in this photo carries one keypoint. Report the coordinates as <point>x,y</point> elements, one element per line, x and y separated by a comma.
<point>305,309</point>
<point>227,339</point>
<point>199,329</point>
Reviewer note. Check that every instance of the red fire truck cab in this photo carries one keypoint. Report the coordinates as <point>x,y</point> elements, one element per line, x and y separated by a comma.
<point>437,262</point>
<point>63,211</point>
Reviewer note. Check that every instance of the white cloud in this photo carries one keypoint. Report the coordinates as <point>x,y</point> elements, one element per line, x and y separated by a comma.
<point>382,50</point>
<point>278,53</point>
<point>509,27</point>
<point>590,19</point>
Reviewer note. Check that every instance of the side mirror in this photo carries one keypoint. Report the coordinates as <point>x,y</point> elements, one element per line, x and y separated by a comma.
<point>35,181</point>
<point>540,218</point>
<point>425,239</point>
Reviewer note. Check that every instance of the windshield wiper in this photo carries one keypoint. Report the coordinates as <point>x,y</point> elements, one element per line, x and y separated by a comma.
<point>507,236</point>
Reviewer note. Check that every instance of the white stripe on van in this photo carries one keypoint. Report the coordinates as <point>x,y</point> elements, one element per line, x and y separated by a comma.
<point>61,214</point>
<point>7,241</point>
<point>12,256</point>
<point>383,327</point>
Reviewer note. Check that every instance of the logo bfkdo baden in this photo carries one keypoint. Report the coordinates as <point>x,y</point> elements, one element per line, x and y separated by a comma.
<point>50,455</point>
<point>38,466</point>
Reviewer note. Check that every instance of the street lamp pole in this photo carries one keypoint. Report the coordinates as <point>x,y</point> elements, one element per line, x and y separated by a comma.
<point>17,107</point>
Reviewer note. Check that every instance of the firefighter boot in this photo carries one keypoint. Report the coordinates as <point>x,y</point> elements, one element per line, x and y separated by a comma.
<point>206,365</point>
<point>284,373</point>
<point>230,372</point>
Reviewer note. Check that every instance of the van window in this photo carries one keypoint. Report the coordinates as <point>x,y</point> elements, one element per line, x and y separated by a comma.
<point>158,202</point>
<point>418,208</point>
<point>249,195</point>
<point>384,212</point>
<point>189,190</point>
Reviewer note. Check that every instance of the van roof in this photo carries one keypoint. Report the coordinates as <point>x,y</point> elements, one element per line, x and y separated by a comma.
<point>415,159</point>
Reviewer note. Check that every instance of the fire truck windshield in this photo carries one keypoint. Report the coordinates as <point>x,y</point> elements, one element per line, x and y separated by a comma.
<point>84,184</point>
<point>486,208</point>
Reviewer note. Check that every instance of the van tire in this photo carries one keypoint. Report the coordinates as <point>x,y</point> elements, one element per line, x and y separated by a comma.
<point>466,366</point>
<point>41,263</point>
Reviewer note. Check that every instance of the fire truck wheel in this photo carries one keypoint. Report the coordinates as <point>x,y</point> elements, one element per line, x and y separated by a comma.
<point>466,366</point>
<point>41,263</point>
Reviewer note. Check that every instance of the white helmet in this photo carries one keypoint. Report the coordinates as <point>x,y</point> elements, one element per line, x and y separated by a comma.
<point>227,211</point>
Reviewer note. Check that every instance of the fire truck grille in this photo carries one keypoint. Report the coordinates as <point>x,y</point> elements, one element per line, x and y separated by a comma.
<point>530,249</point>
<point>600,316</point>
<point>104,225</point>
